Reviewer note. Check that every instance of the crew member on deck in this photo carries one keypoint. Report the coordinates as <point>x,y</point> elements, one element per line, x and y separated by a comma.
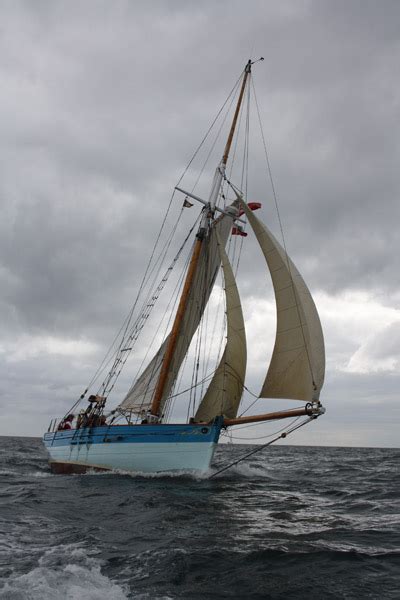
<point>66,423</point>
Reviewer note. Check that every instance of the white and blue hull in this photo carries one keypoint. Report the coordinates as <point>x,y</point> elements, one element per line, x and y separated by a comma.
<point>137,448</point>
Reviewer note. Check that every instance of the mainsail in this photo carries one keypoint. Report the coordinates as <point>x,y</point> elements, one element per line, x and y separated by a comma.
<point>139,397</point>
<point>297,366</point>
<point>225,390</point>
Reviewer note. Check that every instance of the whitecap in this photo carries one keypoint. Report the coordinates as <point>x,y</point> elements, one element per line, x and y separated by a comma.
<point>196,475</point>
<point>58,576</point>
<point>69,583</point>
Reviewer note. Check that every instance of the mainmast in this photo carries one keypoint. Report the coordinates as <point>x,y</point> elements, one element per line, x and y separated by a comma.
<point>194,261</point>
<point>247,70</point>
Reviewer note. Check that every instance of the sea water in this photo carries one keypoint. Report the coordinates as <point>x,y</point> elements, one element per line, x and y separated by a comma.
<point>291,522</point>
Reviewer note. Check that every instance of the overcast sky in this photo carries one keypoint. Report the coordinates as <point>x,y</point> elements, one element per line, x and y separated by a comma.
<point>101,107</point>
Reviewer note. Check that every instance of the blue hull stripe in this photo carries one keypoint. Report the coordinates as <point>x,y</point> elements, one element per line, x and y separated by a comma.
<point>142,434</point>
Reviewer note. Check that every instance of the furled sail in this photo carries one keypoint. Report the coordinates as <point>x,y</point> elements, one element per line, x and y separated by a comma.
<point>225,390</point>
<point>297,366</point>
<point>139,397</point>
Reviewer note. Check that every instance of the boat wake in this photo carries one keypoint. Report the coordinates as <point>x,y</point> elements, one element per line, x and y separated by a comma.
<point>193,475</point>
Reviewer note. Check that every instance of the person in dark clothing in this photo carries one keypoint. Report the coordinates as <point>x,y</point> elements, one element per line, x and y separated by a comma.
<point>66,423</point>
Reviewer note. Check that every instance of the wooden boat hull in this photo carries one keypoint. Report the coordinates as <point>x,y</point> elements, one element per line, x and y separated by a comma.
<point>134,448</point>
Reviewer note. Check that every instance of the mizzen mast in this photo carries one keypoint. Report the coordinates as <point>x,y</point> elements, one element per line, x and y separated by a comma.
<point>194,261</point>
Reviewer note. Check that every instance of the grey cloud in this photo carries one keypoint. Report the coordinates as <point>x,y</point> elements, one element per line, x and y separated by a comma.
<point>384,345</point>
<point>101,107</point>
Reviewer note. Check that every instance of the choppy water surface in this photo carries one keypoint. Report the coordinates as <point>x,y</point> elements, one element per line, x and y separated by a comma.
<point>290,523</point>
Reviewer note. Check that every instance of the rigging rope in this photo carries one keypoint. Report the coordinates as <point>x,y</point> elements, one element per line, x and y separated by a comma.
<point>173,301</point>
<point>127,320</point>
<point>230,96</point>
<point>263,437</point>
<point>133,334</point>
<point>233,94</point>
<point>259,448</point>
<point>209,129</point>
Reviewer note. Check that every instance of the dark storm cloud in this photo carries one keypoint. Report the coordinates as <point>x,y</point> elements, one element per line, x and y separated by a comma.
<point>102,105</point>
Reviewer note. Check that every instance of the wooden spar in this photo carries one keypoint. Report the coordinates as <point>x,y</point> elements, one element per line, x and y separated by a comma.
<point>235,118</point>
<point>173,338</point>
<point>169,352</point>
<point>283,414</point>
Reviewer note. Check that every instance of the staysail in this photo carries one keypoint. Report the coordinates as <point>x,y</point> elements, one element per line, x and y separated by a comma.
<point>297,366</point>
<point>225,390</point>
<point>139,397</point>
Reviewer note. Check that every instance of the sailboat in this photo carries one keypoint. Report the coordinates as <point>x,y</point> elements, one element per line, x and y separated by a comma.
<point>137,435</point>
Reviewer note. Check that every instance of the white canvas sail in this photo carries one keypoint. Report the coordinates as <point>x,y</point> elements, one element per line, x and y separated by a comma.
<point>225,390</point>
<point>139,397</point>
<point>297,366</point>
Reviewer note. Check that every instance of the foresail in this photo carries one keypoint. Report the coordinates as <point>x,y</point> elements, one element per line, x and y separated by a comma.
<point>139,397</point>
<point>225,390</point>
<point>297,366</point>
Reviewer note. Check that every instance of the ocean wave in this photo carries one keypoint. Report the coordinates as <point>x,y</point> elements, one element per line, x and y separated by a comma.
<point>63,571</point>
<point>69,581</point>
<point>285,524</point>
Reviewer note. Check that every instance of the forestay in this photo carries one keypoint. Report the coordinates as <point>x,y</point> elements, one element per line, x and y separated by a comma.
<point>225,390</point>
<point>297,366</point>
